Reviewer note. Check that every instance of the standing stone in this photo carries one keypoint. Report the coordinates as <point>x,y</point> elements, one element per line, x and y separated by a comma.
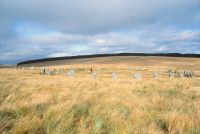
<point>51,72</point>
<point>171,74</point>
<point>60,71</point>
<point>47,70</point>
<point>48,73</point>
<point>70,73</point>
<point>32,68</point>
<point>188,73</point>
<point>54,72</point>
<point>94,75</point>
<point>155,75</point>
<point>137,76</point>
<point>177,74</point>
<point>114,75</point>
<point>44,71</point>
<point>181,74</point>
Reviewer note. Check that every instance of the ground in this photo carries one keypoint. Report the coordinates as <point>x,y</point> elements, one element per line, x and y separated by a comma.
<point>43,104</point>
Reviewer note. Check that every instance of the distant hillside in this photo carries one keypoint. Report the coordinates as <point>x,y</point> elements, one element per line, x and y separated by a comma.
<point>108,55</point>
<point>6,66</point>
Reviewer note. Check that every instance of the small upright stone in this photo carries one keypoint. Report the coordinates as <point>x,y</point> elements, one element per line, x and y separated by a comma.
<point>114,75</point>
<point>44,71</point>
<point>51,72</point>
<point>137,76</point>
<point>188,73</point>
<point>171,74</point>
<point>32,68</point>
<point>61,71</point>
<point>155,75</point>
<point>54,72</point>
<point>70,73</point>
<point>48,73</point>
<point>181,74</point>
<point>94,75</point>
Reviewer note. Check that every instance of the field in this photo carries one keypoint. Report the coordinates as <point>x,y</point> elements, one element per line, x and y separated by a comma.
<point>31,103</point>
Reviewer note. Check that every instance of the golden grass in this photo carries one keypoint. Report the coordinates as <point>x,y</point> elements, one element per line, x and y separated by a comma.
<point>40,104</point>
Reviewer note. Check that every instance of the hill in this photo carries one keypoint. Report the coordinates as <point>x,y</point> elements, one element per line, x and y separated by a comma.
<point>98,58</point>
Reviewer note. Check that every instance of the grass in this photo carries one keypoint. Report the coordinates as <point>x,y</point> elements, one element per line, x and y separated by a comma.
<point>37,104</point>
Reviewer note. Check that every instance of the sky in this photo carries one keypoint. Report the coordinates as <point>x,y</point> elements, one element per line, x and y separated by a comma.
<point>34,29</point>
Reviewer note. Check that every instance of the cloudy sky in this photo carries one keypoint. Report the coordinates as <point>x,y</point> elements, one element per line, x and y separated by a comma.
<point>32,29</point>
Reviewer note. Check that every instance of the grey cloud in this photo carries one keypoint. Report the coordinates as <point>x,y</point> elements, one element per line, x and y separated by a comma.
<point>86,16</point>
<point>32,29</point>
<point>72,44</point>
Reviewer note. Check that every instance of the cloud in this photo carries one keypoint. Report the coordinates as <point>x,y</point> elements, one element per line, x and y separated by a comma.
<point>62,54</point>
<point>86,16</point>
<point>186,35</point>
<point>60,44</point>
<point>39,29</point>
<point>160,49</point>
